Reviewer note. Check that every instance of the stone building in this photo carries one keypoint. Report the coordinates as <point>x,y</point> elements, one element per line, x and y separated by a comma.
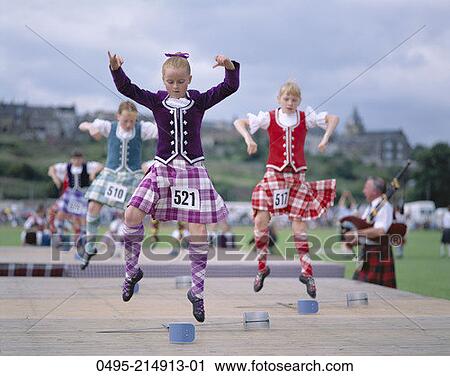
<point>38,122</point>
<point>384,148</point>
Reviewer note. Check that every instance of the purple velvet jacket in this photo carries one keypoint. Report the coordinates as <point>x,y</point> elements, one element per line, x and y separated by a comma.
<point>178,128</point>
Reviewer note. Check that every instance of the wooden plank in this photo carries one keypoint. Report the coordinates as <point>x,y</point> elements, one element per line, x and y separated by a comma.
<point>66,316</point>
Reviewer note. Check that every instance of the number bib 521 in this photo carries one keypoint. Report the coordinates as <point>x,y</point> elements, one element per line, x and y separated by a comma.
<point>116,192</point>
<point>280,198</point>
<point>185,198</point>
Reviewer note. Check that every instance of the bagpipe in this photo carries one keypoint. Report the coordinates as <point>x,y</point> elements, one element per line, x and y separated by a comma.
<point>397,231</point>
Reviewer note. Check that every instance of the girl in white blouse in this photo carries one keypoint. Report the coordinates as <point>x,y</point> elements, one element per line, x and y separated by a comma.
<point>284,189</point>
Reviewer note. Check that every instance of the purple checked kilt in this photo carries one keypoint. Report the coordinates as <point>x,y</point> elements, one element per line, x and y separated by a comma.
<point>73,202</point>
<point>378,266</point>
<point>154,193</point>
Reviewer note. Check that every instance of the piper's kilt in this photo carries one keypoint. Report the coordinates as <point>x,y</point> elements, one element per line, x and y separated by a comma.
<point>159,193</point>
<point>378,266</point>
<point>306,200</point>
<point>102,184</point>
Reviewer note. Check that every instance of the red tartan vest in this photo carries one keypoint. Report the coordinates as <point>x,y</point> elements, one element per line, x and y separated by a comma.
<point>286,145</point>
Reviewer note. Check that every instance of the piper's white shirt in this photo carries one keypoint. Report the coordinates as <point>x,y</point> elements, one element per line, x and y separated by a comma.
<point>384,217</point>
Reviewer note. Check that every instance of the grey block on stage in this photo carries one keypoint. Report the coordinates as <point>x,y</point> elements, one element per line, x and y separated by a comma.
<point>355,299</point>
<point>256,320</point>
<point>181,332</point>
<point>307,307</point>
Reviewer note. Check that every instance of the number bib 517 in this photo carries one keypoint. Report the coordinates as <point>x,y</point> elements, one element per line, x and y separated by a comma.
<point>185,198</point>
<point>116,192</point>
<point>280,198</point>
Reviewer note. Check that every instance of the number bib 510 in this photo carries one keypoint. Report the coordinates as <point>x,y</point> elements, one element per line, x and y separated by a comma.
<point>185,198</point>
<point>116,192</point>
<point>280,198</point>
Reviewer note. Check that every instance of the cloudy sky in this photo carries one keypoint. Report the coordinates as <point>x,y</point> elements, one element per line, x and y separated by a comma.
<point>322,45</point>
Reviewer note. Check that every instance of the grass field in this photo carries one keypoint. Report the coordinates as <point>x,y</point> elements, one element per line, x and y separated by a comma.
<point>421,270</point>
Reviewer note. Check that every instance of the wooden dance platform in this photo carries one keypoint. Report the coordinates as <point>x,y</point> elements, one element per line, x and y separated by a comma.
<point>74,316</point>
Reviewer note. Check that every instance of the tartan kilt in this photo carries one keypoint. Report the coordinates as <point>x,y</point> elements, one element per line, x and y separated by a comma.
<point>154,194</point>
<point>73,202</point>
<point>445,236</point>
<point>378,266</point>
<point>306,201</point>
<point>97,189</point>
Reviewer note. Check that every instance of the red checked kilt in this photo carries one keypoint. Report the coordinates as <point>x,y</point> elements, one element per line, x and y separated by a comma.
<point>307,200</point>
<point>378,266</point>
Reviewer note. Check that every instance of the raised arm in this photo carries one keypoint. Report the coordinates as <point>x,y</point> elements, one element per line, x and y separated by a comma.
<point>126,87</point>
<point>242,126</point>
<point>229,85</point>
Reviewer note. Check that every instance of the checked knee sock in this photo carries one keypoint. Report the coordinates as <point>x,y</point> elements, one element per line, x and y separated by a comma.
<point>59,226</point>
<point>262,247</point>
<point>301,244</point>
<point>92,223</point>
<point>133,237</point>
<point>198,254</point>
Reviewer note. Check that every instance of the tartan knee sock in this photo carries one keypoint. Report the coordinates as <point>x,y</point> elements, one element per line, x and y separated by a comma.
<point>133,237</point>
<point>301,244</point>
<point>92,222</point>
<point>198,254</point>
<point>262,247</point>
<point>81,236</point>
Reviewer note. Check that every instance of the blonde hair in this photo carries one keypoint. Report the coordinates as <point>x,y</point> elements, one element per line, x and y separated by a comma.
<point>177,62</point>
<point>290,88</point>
<point>127,106</point>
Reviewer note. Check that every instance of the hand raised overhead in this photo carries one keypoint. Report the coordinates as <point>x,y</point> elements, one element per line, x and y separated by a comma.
<point>115,61</point>
<point>223,61</point>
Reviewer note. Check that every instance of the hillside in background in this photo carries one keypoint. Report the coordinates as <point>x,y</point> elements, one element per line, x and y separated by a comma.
<point>24,165</point>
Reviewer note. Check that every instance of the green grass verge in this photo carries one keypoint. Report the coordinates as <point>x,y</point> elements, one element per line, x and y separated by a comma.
<point>421,270</point>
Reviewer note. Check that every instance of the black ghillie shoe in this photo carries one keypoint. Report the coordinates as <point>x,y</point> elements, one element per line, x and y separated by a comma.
<point>128,285</point>
<point>259,279</point>
<point>86,257</point>
<point>310,284</point>
<point>198,308</point>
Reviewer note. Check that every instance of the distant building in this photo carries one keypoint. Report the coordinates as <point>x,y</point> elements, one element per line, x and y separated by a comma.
<point>313,139</point>
<point>38,122</point>
<point>47,123</point>
<point>383,148</point>
<point>389,147</point>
